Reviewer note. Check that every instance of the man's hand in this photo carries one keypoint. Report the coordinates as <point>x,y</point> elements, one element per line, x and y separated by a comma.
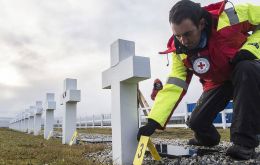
<point>148,129</point>
<point>157,86</point>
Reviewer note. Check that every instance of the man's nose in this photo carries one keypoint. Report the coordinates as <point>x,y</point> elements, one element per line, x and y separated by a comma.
<point>183,40</point>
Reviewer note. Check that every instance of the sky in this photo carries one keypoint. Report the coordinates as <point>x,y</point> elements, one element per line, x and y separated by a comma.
<point>44,42</point>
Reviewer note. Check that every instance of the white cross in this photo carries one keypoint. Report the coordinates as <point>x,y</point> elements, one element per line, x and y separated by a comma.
<point>37,118</point>
<point>123,77</point>
<point>26,120</point>
<point>70,97</point>
<point>23,122</point>
<point>19,118</point>
<point>49,107</point>
<point>31,120</point>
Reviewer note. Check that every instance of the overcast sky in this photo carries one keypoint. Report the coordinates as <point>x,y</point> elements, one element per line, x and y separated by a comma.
<point>42,42</point>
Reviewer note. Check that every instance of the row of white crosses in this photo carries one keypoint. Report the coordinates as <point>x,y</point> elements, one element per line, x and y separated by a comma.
<point>30,120</point>
<point>122,78</point>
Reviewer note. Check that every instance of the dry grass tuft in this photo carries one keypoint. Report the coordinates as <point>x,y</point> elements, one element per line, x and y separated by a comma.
<point>106,131</point>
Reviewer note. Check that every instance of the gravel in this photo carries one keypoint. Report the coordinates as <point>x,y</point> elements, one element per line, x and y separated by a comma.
<point>218,158</point>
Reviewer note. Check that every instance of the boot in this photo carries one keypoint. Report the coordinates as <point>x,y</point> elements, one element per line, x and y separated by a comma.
<point>196,142</point>
<point>241,152</point>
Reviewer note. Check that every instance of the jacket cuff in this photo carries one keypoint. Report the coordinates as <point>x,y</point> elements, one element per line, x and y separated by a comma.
<point>154,124</point>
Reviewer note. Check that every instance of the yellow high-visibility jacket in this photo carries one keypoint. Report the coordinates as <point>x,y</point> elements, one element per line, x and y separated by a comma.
<point>228,37</point>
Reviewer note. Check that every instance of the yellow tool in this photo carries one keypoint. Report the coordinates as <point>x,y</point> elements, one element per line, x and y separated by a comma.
<point>49,136</point>
<point>73,138</point>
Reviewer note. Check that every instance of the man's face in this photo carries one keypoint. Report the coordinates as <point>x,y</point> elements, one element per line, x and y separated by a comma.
<point>187,33</point>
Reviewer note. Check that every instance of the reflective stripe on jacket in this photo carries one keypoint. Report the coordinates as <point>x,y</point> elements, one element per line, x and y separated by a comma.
<point>175,88</point>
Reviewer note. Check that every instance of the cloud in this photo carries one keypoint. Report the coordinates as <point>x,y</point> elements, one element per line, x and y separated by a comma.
<point>44,42</point>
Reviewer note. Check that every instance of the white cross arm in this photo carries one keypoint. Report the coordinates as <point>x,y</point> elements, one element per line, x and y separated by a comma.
<point>131,70</point>
<point>38,108</point>
<point>72,95</point>
<point>50,105</point>
<point>32,109</point>
<point>31,114</point>
<point>26,116</point>
<point>38,112</point>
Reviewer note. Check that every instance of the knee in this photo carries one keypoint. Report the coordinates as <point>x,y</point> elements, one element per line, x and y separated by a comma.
<point>193,123</point>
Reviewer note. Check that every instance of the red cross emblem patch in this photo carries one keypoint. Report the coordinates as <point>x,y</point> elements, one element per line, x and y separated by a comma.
<point>201,65</point>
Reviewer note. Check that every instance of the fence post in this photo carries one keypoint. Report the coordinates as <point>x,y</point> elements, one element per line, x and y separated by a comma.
<point>102,118</point>
<point>223,116</point>
<point>87,120</point>
<point>186,115</point>
<point>93,121</point>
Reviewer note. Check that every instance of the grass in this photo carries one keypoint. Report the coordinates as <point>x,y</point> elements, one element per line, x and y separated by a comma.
<point>106,131</point>
<point>23,149</point>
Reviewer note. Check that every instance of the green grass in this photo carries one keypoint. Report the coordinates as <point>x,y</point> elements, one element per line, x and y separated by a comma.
<point>23,149</point>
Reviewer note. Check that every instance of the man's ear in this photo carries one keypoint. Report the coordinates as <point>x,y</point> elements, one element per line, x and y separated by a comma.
<point>202,23</point>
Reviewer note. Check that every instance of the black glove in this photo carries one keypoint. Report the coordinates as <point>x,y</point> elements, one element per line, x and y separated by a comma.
<point>241,56</point>
<point>148,129</point>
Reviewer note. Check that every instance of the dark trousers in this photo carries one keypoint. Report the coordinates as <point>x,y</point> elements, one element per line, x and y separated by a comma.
<point>244,88</point>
